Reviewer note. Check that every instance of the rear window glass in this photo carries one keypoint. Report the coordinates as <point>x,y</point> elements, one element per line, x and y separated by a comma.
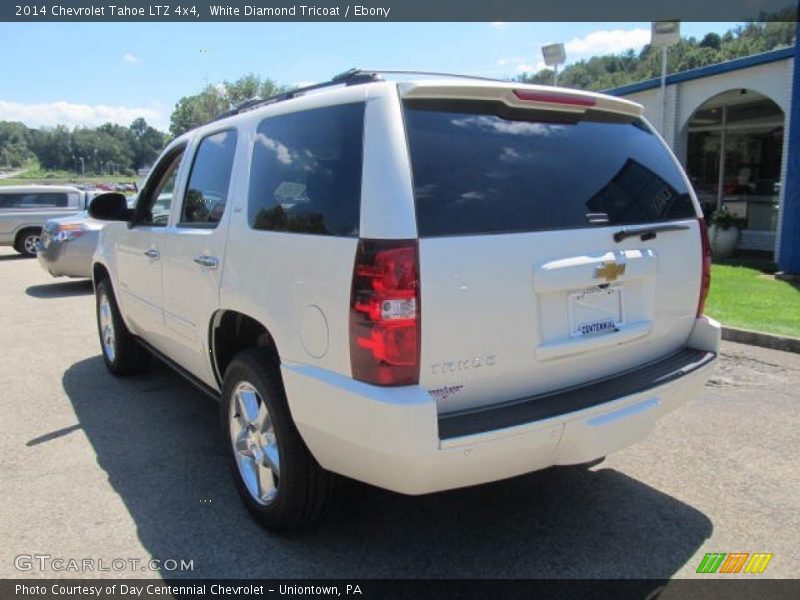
<point>476,172</point>
<point>305,175</point>
<point>43,200</point>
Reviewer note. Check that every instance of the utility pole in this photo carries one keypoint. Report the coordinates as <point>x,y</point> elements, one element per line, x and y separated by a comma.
<point>664,34</point>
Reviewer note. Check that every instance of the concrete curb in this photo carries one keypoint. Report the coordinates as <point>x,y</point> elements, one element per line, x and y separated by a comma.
<point>765,340</point>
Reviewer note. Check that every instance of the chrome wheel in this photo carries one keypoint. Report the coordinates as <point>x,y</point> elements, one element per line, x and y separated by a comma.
<point>255,445</point>
<point>107,336</point>
<point>29,244</point>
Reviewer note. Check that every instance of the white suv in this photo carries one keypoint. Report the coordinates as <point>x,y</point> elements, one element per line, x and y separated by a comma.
<point>422,285</point>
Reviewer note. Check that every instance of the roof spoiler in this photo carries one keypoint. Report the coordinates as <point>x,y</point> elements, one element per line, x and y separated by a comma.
<point>523,96</point>
<point>517,95</point>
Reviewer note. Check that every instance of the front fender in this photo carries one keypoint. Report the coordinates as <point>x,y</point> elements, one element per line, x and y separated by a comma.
<point>105,256</point>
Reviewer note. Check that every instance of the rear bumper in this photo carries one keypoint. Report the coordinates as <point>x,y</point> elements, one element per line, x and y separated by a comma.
<point>70,259</point>
<point>393,437</point>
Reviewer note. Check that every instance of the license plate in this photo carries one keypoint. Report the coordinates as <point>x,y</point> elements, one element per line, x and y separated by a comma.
<point>595,311</point>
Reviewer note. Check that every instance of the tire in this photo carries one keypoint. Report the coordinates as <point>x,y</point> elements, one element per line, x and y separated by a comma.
<point>122,354</point>
<point>26,242</point>
<point>281,484</point>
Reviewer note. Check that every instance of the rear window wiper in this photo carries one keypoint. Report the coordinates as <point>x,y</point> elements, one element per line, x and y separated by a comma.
<point>645,232</point>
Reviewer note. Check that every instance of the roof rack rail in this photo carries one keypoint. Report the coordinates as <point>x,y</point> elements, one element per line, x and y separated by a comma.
<point>353,76</point>
<point>375,72</point>
<point>350,77</point>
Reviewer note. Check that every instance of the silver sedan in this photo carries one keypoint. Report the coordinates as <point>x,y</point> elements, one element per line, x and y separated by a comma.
<point>67,245</point>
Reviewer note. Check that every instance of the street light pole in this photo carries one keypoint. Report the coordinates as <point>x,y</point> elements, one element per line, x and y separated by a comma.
<point>554,55</point>
<point>664,34</point>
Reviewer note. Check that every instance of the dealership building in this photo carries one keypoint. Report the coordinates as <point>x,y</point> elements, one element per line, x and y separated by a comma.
<point>735,127</point>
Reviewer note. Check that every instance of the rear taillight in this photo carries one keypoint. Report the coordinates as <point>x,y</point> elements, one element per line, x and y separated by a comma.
<point>705,278</point>
<point>66,232</point>
<point>385,313</point>
<point>555,98</point>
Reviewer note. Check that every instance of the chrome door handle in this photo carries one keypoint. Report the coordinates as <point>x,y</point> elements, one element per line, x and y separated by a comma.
<point>152,253</point>
<point>207,261</point>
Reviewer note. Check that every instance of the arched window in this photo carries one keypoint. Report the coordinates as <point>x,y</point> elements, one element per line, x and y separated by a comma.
<point>734,154</point>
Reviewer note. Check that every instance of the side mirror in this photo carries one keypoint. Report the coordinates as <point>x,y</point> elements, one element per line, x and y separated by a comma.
<point>111,206</point>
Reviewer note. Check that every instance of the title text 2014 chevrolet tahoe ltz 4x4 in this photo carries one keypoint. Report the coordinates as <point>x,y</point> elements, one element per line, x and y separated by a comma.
<point>421,285</point>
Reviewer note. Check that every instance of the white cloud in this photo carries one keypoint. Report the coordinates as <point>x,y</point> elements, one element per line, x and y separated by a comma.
<point>282,153</point>
<point>509,127</point>
<point>509,60</point>
<point>130,58</point>
<point>66,113</point>
<point>524,67</point>
<point>498,23</point>
<point>521,64</point>
<point>607,41</point>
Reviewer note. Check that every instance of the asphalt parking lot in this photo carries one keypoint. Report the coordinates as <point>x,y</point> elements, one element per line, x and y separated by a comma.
<point>103,468</point>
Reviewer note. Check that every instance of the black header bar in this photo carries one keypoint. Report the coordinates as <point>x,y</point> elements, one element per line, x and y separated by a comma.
<point>734,588</point>
<point>395,10</point>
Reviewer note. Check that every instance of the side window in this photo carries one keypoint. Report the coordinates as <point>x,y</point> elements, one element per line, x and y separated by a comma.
<point>156,200</point>
<point>12,200</point>
<point>49,200</point>
<point>207,191</point>
<point>305,175</point>
<point>44,200</point>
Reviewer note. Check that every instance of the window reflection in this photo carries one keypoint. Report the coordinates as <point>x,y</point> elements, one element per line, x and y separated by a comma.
<point>207,191</point>
<point>156,201</point>
<point>487,173</point>
<point>306,172</point>
<point>637,194</point>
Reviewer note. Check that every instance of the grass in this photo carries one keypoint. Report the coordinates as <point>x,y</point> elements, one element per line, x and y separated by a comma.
<point>747,295</point>
<point>36,175</point>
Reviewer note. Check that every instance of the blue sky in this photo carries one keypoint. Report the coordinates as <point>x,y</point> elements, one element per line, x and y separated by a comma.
<point>89,73</point>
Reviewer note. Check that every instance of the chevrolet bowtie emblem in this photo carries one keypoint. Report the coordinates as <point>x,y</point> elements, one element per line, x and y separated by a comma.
<point>609,271</point>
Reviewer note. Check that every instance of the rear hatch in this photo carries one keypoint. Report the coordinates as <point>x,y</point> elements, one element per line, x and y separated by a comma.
<point>559,240</point>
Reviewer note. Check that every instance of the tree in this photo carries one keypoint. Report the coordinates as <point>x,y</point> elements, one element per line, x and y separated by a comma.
<point>53,148</point>
<point>14,144</point>
<point>122,148</point>
<point>193,111</point>
<point>147,143</point>
<point>711,40</point>
<point>244,88</point>
<point>603,72</point>
<point>199,109</point>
